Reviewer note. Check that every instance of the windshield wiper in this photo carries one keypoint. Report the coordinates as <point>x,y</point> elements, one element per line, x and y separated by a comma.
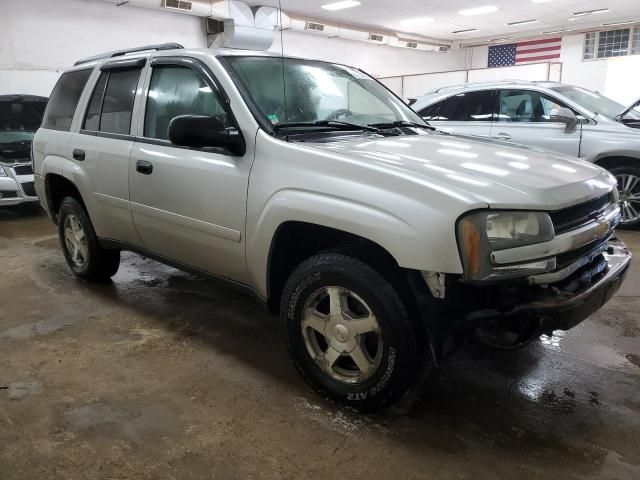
<point>327,123</point>
<point>401,123</point>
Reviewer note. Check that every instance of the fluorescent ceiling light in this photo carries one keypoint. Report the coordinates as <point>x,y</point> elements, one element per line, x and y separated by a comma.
<point>541,1</point>
<point>590,12</point>
<point>617,23</point>
<point>521,22</point>
<point>553,32</point>
<point>468,30</point>
<point>341,5</point>
<point>478,10</point>
<point>417,21</point>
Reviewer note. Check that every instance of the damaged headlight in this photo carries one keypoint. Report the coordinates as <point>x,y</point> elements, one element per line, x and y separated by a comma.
<point>483,232</point>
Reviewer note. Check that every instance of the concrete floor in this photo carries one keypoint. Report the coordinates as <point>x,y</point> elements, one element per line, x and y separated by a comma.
<point>165,375</point>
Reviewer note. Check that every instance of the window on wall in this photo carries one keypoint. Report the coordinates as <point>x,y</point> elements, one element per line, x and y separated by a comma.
<point>635,41</point>
<point>589,52</point>
<point>614,43</point>
<point>611,43</point>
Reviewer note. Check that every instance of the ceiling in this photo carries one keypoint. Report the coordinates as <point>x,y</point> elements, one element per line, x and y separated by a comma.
<point>393,14</point>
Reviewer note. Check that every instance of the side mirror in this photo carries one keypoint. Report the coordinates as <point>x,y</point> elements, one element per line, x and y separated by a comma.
<point>199,131</point>
<point>566,116</point>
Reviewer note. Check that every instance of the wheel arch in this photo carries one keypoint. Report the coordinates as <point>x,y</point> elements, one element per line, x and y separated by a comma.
<point>609,160</point>
<point>294,241</point>
<point>57,187</point>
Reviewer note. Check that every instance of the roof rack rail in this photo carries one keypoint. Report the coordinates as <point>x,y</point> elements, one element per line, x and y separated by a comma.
<point>475,84</point>
<point>118,53</point>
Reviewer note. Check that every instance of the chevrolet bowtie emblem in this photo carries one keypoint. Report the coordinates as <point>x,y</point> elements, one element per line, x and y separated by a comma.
<point>601,229</point>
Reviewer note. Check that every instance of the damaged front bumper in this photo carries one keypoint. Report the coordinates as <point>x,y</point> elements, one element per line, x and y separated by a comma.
<point>557,306</point>
<point>509,315</point>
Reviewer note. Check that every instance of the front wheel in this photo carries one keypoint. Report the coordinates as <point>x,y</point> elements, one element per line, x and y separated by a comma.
<point>84,255</point>
<point>628,177</point>
<point>349,333</point>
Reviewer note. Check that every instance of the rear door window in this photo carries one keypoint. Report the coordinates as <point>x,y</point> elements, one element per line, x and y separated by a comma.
<point>92,118</point>
<point>468,107</point>
<point>64,100</point>
<point>111,105</point>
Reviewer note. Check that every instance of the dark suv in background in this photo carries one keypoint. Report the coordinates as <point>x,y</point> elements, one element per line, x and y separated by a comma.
<point>20,117</point>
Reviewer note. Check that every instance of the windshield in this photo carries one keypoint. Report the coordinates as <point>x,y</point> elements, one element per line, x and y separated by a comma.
<point>316,92</point>
<point>19,118</point>
<point>594,101</point>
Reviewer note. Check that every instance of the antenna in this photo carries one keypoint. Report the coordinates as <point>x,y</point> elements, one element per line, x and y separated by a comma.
<point>284,78</point>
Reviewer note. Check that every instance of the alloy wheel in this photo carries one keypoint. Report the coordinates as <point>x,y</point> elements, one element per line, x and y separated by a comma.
<point>629,191</point>
<point>76,241</point>
<point>342,335</point>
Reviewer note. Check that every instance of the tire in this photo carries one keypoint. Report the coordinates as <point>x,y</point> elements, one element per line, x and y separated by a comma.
<point>84,255</point>
<point>388,337</point>
<point>628,176</point>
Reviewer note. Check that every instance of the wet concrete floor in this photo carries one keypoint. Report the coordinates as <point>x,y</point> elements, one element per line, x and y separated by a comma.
<point>164,375</point>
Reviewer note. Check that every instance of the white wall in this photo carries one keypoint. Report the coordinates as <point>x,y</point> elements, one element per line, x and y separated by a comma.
<point>591,74</point>
<point>39,38</point>
<point>377,60</point>
<point>621,81</point>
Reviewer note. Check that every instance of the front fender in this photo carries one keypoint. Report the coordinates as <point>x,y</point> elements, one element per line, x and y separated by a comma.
<point>389,231</point>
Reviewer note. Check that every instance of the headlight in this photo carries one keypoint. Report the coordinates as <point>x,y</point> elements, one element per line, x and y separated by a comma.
<point>483,232</point>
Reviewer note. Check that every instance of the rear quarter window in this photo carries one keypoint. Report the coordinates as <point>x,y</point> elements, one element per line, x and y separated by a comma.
<point>64,100</point>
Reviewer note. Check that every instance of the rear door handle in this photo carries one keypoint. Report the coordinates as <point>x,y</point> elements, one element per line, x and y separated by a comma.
<point>144,167</point>
<point>502,136</point>
<point>78,154</point>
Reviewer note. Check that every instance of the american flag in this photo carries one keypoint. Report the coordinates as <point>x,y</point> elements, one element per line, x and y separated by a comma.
<point>524,52</point>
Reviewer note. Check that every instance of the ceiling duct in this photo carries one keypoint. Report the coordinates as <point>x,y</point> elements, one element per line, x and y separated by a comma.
<point>233,24</point>
<point>242,27</point>
<point>333,30</point>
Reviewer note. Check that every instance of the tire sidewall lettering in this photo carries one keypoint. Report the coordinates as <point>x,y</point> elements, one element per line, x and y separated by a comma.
<point>297,293</point>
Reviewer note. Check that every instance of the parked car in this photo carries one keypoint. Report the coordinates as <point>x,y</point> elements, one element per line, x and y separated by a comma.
<point>374,237</point>
<point>20,117</point>
<point>554,116</point>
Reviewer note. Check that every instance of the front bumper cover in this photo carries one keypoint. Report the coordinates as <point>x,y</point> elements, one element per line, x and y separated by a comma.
<point>564,305</point>
<point>16,189</point>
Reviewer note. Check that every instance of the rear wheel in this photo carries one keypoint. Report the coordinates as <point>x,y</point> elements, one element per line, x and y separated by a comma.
<point>349,333</point>
<point>628,177</point>
<point>84,255</point>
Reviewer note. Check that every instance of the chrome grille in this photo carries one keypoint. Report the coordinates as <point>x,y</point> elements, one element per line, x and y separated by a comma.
<point>575,216</point>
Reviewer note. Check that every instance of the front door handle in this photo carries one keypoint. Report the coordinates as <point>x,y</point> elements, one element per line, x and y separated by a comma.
<point>144,167</point>
<point>78,154</point>
<point>502,136</point>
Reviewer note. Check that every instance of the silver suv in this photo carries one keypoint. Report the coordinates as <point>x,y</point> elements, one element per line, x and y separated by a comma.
<point>558,117</point>
<point>20,117</point>
<point>374,237</point>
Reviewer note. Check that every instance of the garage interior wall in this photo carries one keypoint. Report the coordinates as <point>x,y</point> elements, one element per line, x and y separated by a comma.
<point>613,77</point>
<point>40,38</point>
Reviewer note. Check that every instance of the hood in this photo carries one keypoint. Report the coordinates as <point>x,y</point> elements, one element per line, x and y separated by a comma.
<point>499,174</point>
<point>20,117</point>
